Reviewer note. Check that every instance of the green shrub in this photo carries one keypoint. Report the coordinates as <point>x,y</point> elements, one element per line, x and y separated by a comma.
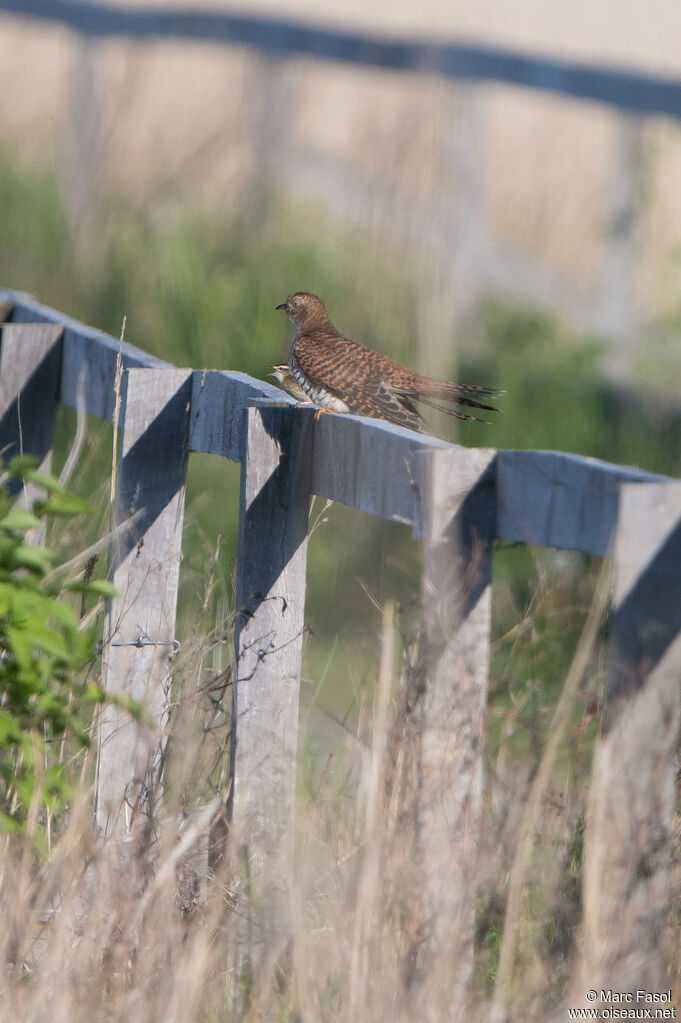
<point>44,690</point>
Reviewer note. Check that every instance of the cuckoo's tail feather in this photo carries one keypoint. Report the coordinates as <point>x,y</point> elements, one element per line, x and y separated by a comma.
<point>448,410</point>
<point>441,394</point>
<point>460,394</point>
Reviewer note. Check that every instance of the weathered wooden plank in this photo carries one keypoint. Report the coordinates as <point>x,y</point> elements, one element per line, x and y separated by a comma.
<point>369,465</point>
<point>274,505</point>
<point>284,36</point>
<point>86,350</point>
<point>218,402</point>
<point>544,497</point>
<point>30,367</point>
<point>446,710</point>
<point>560,500</point>
<point>630,836</point>
<point>94,354</point>
<point>138,645</point>
<point>365,463</point>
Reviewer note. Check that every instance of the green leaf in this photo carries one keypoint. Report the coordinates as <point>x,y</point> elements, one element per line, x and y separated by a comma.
<point>19,520</point>
<point>53,781</point>
<point>49,640</point>
<point>62,613</point>
<point>102,587</point>
<point>20,645</point>
<point>63,505</point>
<point>8,544</point>
<point>54,712</point>
<point>45,480</point>
<point>11,825</point>
<point>7,595</point>
<point>44,653</point>
<point>27,605</point>
<point>21,464</point>
<point>10,732</point>
<point>36,559</point>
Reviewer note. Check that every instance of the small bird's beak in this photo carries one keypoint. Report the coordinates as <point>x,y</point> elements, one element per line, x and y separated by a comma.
<point>282,306</point>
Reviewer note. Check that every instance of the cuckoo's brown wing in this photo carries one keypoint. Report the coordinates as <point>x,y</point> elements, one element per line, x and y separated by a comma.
<point>358,376</point>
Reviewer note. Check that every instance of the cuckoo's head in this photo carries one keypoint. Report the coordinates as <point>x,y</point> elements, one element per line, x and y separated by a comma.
<point>305,310</point>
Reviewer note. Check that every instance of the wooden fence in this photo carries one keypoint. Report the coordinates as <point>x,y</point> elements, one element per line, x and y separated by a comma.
<point>458,501</point>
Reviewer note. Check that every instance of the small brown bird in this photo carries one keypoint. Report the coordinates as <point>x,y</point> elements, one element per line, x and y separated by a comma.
<point>342,375</point>
<point>283,375</point>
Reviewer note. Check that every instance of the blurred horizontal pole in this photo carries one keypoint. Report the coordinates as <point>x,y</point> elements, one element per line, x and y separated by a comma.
<point>612,85</point>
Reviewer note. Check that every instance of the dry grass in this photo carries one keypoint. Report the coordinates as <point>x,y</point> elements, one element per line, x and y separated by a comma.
<point>169,925</point>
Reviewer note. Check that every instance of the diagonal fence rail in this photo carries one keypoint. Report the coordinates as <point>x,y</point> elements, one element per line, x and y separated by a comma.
<point>457,501</point>
<point>635,91</point>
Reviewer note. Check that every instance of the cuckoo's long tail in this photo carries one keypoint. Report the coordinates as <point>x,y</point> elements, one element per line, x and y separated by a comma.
<point>439,395</point>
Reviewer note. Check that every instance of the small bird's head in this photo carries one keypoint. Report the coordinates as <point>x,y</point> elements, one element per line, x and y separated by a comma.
<point>281,372</point>
<point>305,310</point>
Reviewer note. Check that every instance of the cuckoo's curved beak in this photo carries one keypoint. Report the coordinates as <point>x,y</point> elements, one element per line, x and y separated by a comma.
<point>281,306</point>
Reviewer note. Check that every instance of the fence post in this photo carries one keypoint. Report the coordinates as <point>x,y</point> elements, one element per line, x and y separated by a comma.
<point>82,137</point>
<point>446,716</point>
<point>467,230</point>
<point>629,844</point>
<point>138,645</point>
<point>275,496</point>
<point>273,99</point>
<point>30,370</point>
<point>617,312</point>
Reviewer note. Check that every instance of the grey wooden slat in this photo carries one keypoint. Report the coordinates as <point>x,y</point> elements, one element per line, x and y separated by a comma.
<point>632,802</point>
<point>560,500</point>
<point>274,505</point>
<point>85,349</point>
<point>218,401</point>
<point>369,465</point>
<point>544,497</point>
<point>446,713</point>
<point>365,463</point>
<point>96,355</point>
<point>629,90</point>
<point>145,565</point>
<point>30,368</point>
